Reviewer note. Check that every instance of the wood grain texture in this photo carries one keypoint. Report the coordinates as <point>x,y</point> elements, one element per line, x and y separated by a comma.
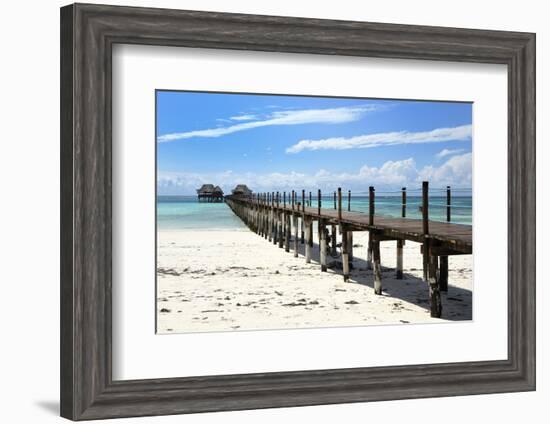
<point>88,33</point>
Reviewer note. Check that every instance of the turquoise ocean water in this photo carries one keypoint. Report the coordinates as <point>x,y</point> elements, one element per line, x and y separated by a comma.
<point>186,213</point>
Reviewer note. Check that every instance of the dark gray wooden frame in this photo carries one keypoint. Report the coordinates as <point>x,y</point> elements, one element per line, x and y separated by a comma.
<point>88,33</point>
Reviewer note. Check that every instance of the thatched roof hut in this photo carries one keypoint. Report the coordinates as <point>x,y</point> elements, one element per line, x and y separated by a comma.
<point>241,190</point>
<point>210,193</point>
<point>206,189</point>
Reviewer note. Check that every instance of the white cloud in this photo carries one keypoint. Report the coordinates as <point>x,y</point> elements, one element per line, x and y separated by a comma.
<point>448,152</point>
<point>456,169</point>
<point>287,117</point>
<point>437,135</point>
<point>244,118</point>
<point>456,172</point>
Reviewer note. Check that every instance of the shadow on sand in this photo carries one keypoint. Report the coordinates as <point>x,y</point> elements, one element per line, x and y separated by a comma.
<point>456,303</point>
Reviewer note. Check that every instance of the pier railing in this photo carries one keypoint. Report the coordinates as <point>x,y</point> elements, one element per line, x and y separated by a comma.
<point>285,218</point>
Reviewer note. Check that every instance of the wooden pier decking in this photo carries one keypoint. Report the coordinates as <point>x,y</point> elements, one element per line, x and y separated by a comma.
<point>282,221</point>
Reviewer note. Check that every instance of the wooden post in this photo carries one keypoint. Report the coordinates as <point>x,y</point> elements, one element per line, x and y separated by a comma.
<point>425,229</point>
<point>425,201</point>
<point>448,203</point>
<point>295,222</point>
<point>369,252</point>
<point>303,214</point>
<point>258,215</point>
<point>323,245</point>
<point>435,295</point>
<point>350,246</point>
<point>333,239</point>
<point>293,199</point>
<point>403,202</point>
<point>444,273</point>
<point>340,203</point>
<point>377,266</point>
<point>345,253</point>
<point>371,205</point>
<point>310,200</point>
<point>279,228</point>
<point>309,239</point>
<point>280,234</point>
<point>334,200</point>
<point>319,214</point>
<point>266,217</point>
<point>273,221</point>
<point>399,268</point>
<point>349,200</point>
<point>287,232</point>
<point>284,214</point>
<point>444,260</point>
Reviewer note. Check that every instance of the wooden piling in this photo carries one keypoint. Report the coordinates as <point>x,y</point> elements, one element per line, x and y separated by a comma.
<point>319,214</point>
<point>333,240</point>
<point>448,203</point>
<point>309,239</point>
<point>371,205</point>
<point>403,202</point>
<point>435,295</point>
<point>295,223</point>
<point>340,203</point>
<point>425,202</point>
<point>268,216</point>
<point>323,246</point>
<point>349,200</point>
<point>444,273</point>
<point>280,234</point>
<point>444,260</point>
<point>287,231</point>
<point>273,230</point>
<point>377,266</point>
<point>369,251</point>
<point>334,200</point>
<point>399,268</point>
<point>345,253</point>
<point>302,217</point>
<point>350,246</point>
<point>425,230</point>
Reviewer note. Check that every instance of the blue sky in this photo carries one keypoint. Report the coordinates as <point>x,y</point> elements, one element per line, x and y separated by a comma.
<point>292,142</point>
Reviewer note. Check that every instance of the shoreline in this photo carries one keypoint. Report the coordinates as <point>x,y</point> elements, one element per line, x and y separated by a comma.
<point>208,281</point>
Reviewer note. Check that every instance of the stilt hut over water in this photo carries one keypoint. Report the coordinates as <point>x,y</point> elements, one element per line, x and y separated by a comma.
<point>209,193</point>
<point>241,190</point>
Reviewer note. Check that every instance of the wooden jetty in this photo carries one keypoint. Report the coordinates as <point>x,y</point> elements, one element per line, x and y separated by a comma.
<point>283,220</point>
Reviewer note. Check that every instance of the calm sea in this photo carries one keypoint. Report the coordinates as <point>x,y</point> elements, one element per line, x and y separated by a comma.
<point>185,212</point>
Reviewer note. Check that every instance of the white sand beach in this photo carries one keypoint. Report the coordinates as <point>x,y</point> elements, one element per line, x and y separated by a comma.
<point>236,280</point>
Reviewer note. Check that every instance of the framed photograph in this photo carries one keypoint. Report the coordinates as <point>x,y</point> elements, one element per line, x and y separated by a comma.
<point>264,211</point>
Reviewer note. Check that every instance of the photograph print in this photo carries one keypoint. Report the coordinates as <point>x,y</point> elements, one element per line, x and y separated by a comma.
<point>287,211</point>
